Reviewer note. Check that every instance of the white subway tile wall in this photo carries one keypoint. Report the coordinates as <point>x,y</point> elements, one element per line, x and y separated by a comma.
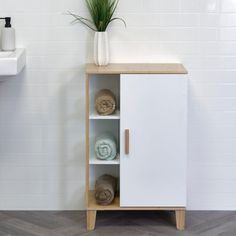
<point>42,111</point>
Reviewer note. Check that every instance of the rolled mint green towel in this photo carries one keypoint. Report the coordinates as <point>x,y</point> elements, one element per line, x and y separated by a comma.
<point>105,147</point>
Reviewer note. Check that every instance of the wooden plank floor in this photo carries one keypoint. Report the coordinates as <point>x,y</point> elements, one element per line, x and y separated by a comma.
<point>72,223</point>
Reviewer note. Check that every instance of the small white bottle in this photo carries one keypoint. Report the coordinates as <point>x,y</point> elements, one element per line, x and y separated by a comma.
<point>8,36</point>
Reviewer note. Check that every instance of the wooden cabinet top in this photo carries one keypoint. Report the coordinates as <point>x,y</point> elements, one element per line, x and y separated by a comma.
<point>159,68</point>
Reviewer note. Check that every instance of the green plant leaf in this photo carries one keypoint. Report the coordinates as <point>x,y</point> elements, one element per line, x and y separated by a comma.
<point>80,17</point>
<point>83,21</point>
<point>101,13</point>
<point>118,18</point>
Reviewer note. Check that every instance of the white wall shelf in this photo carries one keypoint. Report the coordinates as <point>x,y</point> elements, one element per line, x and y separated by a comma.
<point>94,161</point>
<point>96,116</point>
<point>12,63</point>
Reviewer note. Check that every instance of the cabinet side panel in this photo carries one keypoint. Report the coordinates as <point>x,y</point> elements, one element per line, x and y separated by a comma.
<point>154,110</point>
<point>87,139</point>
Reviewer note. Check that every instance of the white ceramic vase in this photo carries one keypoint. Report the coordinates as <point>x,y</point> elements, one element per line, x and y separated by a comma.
<point>101,49</point>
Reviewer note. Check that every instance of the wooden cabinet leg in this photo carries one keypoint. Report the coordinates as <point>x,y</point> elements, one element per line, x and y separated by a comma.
<point>180,219</point>
<point>91,219</point>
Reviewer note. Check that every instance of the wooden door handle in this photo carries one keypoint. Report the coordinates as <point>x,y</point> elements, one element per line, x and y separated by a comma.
<point>127,141</point>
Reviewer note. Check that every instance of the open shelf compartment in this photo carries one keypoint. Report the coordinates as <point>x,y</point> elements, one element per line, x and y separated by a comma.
<point>97,83</point>
<point>97,128</point>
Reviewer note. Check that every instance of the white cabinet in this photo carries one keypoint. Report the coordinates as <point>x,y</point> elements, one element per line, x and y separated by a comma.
<point>151,128</point>
<point>153,109</point>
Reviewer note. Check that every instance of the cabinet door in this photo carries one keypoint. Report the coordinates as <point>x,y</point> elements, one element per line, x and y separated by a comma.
<point>154,111</point>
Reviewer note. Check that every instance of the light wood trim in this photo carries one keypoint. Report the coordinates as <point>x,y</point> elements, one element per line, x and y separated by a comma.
<point>138,68</point>
<point>180,219</point>
<point>91,219</point>
<point>115,206</point>
<point>127,141</point>
<point>87,139</point>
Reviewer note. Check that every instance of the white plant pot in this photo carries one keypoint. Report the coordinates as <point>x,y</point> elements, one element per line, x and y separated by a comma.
<point>101,49</point>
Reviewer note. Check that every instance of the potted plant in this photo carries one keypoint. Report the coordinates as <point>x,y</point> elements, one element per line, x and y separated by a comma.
<point>101,13</point>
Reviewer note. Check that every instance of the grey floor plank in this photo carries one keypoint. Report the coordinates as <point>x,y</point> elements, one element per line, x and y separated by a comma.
<point>72,223</point>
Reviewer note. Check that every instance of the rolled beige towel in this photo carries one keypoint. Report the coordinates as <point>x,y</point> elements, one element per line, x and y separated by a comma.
<point>105,189</point>
<point>105,102</point>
